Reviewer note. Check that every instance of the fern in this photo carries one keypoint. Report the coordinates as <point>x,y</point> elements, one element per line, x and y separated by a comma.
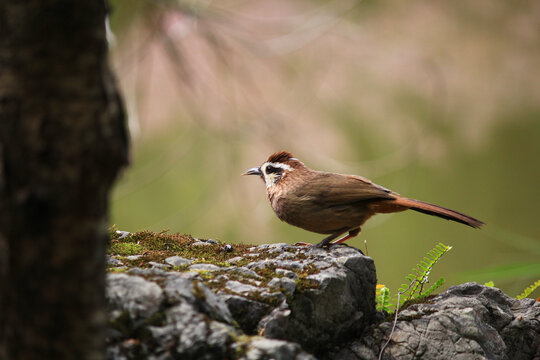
<point>383,299</point>
<point>528,291</point>
<point>420,276</point>
<point>432,288</point>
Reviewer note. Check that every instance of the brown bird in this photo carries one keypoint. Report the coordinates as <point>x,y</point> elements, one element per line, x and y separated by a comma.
<point>328,203</point>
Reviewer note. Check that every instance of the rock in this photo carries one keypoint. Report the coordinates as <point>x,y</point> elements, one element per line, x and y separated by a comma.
<point>287,273</point>
<point>179,288</point>
<point>113,261</point>
<point>468,321</point>
<point>247,313</point>
<point>201,243</point>
<point>177,261</point>
<point>122,234</point>
<point>302,299</point>
<point>341,298</point>
<point>261,348</point>
<point>235,260</point>
<point>188,334</point>
<point>138,297</point>
<point>286,284</point>
<point>204,267</point>
<point>240,288</point>
<point>153,271</point>
<point>157,265</point>
<point>244,271</point>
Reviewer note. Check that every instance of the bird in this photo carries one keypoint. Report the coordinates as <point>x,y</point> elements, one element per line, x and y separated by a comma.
<point>334,204</point>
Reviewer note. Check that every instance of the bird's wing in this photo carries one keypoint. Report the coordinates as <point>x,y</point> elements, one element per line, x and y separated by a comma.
<point>337,189</point>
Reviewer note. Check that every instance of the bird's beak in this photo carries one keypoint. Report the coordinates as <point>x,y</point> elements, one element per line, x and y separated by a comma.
<point>253,171</point>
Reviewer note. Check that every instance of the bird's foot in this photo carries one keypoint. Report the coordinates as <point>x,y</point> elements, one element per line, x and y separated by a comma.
<point>302,244</point>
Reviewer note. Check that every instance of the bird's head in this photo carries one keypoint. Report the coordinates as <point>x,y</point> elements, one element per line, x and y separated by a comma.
<point>276,168</point>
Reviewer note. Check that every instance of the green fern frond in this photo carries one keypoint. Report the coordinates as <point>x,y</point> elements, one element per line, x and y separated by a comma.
<point>420,275</point>
<point>432,288</point>
<point>383,299</point>
<point>528,291</point>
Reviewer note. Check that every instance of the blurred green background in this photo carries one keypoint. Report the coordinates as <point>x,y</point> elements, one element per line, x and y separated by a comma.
<point>438,101</point>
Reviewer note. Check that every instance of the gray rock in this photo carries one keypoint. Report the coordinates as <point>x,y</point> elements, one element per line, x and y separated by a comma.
<point>179,288</point>
<point>188,334</point>
<point>342,300</point>
<point>468,321</point>
<point>133,257</point>
<point>294,265</point>
<point>138,297</point>
<point>205,267</point>
<point>200,243</point>
<point>149,272</point>
<point>111,261</point>
<point>261,348</point>
<point>240,288</point>
<point>177,261</point>
<point>287,255</point>
<point>244,271</point>
<point>247,313</point>
<point>157,265</point>
<point>170,315</point>
<point>288,285</point>
<point>122,234</point>
<point>235,260</point>
<point>287,273</point>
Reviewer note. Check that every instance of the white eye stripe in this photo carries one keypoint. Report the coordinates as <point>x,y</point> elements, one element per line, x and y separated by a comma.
<point>272,177</point>
<point>276,165</point>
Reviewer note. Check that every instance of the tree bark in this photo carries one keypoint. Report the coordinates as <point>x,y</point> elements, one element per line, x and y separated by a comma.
<point>62,143</point>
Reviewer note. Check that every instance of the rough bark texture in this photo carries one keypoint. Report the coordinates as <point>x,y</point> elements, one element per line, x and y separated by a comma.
<point>62,142</point>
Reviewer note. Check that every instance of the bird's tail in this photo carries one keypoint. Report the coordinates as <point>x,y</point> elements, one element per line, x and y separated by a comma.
<point>439,211</point>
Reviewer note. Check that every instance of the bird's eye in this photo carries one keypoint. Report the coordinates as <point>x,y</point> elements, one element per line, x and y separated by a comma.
<point>270,169</point>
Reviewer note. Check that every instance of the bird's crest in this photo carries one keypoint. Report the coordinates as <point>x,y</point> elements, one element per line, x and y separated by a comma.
<point>280,157</point>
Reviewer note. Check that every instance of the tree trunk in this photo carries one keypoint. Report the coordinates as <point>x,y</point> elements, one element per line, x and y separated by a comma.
<point>62,143</point>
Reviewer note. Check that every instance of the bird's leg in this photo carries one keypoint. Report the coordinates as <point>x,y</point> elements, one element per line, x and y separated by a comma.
<point>328,240</point>
<point>352,233</point>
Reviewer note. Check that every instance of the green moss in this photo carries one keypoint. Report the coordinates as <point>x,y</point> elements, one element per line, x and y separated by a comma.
<point>121,248</point>
<point>241,345</point>
<point>156,247</point>
<point>122,323</point>
<point>303,285</point>
<point>257,296</point>
<point>198,291</point>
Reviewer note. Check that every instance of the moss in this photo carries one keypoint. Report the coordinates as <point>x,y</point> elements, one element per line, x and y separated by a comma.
<point>303,285</point>
<point>258,296</point>
<point>156,319</point>
<point>156,247</point>
<point>122,323</point>
<point>122,248</point>
<point>241,343</point>
<point>198,291</point>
